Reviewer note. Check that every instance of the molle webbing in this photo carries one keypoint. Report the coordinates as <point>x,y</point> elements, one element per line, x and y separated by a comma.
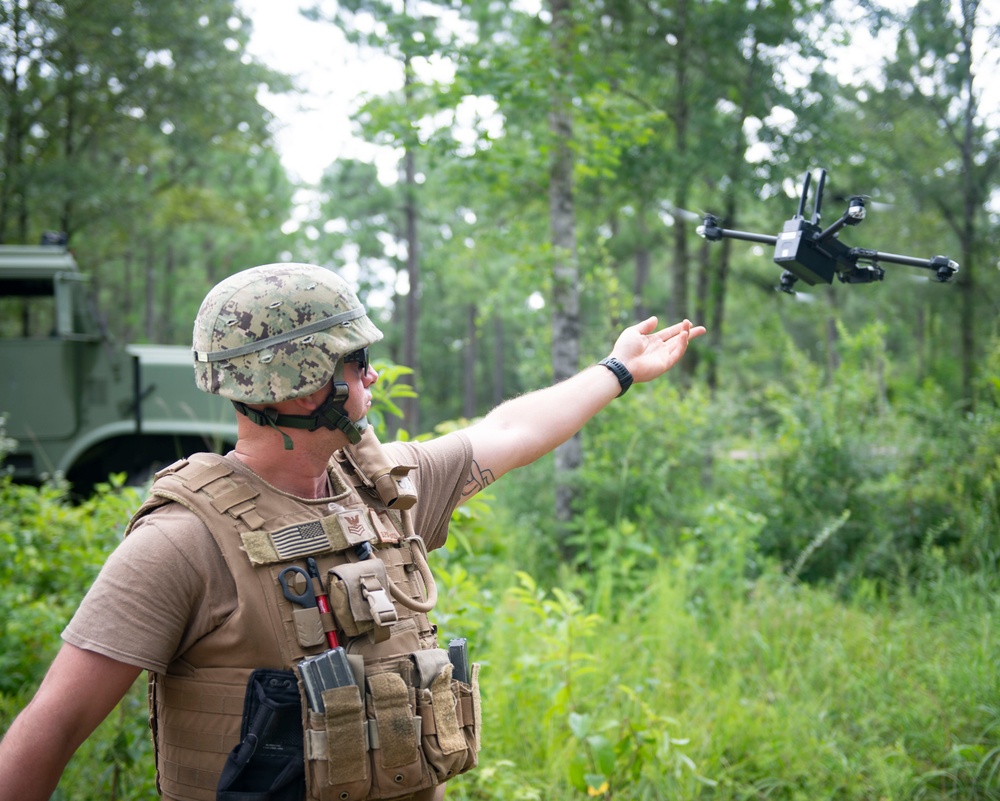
<point>196,715</point>
<point>208,474</point>
<point>229,497</point>
<point>195,731</point>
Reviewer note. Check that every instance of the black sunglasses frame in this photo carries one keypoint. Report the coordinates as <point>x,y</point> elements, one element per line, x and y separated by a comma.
<point>359,357</point>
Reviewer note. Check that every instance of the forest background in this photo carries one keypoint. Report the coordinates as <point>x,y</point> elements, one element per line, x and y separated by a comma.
<point>773,575</point>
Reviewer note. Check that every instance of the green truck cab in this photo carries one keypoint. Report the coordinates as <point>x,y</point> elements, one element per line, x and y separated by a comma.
<point>77,403</point>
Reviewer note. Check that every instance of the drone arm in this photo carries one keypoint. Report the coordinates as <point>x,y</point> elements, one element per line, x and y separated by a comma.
<point>943,267</point>
<point>746,236</point>
<point>711,231</point>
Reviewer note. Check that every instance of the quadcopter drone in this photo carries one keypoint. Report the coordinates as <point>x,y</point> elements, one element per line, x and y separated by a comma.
<point>815,255</point>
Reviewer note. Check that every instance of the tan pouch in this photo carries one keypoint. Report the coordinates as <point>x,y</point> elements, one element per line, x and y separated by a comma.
<point>308,626</point>
<point>337,758</point>
<point>398,764</point>
<point>450,713</point>
<point>360,600</point>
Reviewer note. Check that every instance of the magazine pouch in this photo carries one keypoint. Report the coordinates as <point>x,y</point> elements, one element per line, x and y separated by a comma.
<point>397,760</point>
<point>449,712</point>
<point>338,760</point>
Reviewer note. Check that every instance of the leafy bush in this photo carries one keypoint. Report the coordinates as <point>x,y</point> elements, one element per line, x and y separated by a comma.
<point>50,552</point>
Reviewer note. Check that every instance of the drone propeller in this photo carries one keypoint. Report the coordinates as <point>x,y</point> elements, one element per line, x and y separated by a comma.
<point>877,205</point>
<point>677,211</point>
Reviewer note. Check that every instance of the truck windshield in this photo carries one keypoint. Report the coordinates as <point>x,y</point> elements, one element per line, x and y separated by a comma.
<point>27,316</point>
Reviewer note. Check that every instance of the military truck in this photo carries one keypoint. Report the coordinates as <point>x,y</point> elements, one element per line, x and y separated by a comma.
<point>77,403</point>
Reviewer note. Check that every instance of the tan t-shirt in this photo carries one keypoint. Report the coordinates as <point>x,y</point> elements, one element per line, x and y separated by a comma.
<point>167,585</point>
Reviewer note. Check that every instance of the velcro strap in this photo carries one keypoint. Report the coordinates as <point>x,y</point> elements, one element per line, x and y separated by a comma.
<point>225,501</point>
<point>450,738</point>
<point>249,515</point>
<point>466,711</point>
<point>373,742</point>
<point>198,474</point>
<point>317,742</point>
<point>396,729</point>
<point>347,736</point>
<point>430,663</point>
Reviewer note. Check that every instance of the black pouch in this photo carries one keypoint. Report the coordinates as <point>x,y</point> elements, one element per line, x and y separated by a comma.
<point>269,762</point>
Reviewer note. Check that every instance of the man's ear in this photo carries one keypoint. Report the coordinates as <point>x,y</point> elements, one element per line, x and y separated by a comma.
<point>312,401</point>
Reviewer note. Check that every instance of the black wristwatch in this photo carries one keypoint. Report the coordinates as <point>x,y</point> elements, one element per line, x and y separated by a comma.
<point>621,373</point>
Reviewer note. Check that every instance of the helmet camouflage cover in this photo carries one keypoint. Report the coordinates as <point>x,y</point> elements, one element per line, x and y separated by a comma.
<point>277,332</point>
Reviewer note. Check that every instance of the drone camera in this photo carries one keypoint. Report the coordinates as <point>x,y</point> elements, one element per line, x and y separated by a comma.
<point>788,279</point>
<point>862,274</point>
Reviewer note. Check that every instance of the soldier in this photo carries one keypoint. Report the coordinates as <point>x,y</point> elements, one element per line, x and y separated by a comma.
<point>277,596</point>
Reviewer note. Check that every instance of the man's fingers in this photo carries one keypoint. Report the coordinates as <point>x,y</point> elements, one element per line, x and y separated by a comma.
<point>693,330</point>
<point>671,331</point>
<point>647,326</point>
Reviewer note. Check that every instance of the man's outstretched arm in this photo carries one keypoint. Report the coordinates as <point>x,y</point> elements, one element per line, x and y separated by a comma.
<point>78,692</point>
<point>526,428</point>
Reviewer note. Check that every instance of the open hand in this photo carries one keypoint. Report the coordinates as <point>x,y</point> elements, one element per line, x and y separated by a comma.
<point>649,353</point>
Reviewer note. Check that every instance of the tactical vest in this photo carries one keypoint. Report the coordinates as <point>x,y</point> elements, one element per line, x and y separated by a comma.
<point>402,726</point>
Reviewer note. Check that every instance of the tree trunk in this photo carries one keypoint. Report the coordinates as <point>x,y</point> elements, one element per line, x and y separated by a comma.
<point>972,199</point>
<point>677,306</point>
<point>469,368</point>
<point>410,343</point>
<point>150,329</point>
<point>565,273</point>
<point>411,407</point>
<point>13,134</point>
<point>498,360</point>
<point>715,308</point>
<point>167,330</point>
<point>643,262</point>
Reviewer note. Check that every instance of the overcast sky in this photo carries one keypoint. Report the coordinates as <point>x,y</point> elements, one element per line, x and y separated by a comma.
<point>313,129</point>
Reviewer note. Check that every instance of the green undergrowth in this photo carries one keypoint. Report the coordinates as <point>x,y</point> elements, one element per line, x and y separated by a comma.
<point>811,615</point>
<point>704,684</point>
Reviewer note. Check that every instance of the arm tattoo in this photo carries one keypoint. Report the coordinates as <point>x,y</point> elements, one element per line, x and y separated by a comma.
<point>478,479</point>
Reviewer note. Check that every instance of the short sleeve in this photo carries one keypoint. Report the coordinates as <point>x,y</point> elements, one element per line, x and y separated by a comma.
<point>443,465</point>
<point>150,602</point>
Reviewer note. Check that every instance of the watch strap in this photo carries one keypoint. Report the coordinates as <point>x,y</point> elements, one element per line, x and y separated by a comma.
<point>621,373</point>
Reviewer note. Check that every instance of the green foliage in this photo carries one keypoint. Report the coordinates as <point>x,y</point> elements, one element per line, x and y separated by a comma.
<point>718,681</point>
<point>50,553</point>
<point>387,391</point>
<point>134,128</point>
<point>686,660</point>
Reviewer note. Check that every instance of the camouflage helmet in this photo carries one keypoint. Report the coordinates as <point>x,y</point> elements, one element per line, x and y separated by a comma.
<point>276,332</point>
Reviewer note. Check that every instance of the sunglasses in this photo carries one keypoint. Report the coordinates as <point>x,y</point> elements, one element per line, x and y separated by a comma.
<point>360,358</point>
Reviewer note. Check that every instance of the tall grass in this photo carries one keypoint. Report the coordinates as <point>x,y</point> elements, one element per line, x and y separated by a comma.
<point>711,683</point>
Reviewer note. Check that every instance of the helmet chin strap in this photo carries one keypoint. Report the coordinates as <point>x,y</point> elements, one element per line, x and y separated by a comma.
<point>329,414</point>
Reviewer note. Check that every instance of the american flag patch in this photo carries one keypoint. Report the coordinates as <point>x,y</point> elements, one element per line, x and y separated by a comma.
<point>300,540</point>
